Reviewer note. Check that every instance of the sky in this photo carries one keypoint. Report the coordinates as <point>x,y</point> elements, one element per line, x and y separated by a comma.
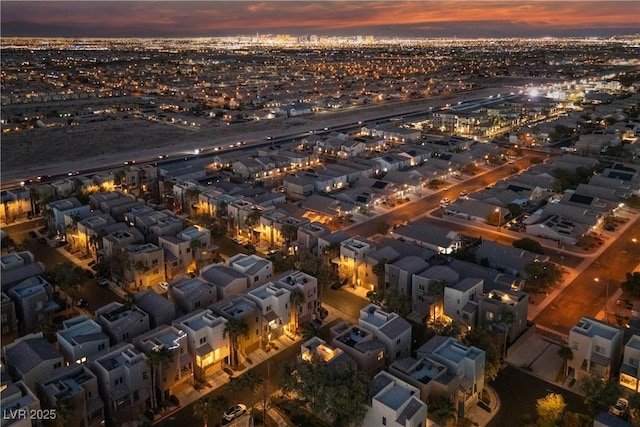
<point>427,18</point>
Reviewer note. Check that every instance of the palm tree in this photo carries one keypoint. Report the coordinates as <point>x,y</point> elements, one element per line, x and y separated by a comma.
<point>64,412</point>
<point>157,358</point>
<point>68,277</point>
<point>195,245</point>
<point>252,220</point>
<point>508,318</point>
<point>210,408</point>
<point>442,410</point>
<point>236,329</point>
<point>296,299</point>
<point>565,354</point>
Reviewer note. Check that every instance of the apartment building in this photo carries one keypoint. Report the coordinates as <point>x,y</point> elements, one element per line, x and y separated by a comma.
<point>391,329</point>
<point>207,341</point>
<point>597,349</point>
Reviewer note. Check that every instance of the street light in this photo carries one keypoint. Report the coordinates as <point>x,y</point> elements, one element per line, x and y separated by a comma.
<point>499,212</point>
<point>606,301</point>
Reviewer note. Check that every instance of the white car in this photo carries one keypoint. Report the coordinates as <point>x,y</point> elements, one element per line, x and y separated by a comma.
<point>237,241</point>
<point>164,286</point>
<point>445,202</point>
<point>235,411</point>
<point>621,406</point>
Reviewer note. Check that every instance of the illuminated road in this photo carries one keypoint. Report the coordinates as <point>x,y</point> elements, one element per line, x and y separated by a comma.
<point>586,297</point>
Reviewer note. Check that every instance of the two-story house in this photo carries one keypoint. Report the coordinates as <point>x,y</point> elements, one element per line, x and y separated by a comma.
<point>391,329</point>
<point>33,303</point>
<point>32,359</point>
<point>274,303</point>
<point>461,300</point>
<point>80,338</point>
<point>258,270</point>
<point>207,341</point>
<point>124,383</point>
<point>361,345</point>
<point>597,348</point>
<point>630,367</point>
<point>122,322</point>
<point>192,294</point>
<point>243,310</point>
<point>352,261</point>
<point>16,397</point>
<point>227,280</point>
<point>146,268</point>
<point>306,285</point>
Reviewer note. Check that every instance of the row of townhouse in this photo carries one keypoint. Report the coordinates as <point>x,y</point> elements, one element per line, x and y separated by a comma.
<point>109,354</point>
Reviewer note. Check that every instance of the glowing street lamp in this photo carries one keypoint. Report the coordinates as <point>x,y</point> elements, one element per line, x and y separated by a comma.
<point>499,212</point>
<point>606,301</point>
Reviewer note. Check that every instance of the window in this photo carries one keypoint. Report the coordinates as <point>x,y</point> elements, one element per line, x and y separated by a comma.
<point>600,349</point>
<point>203,340</point>
<point>489,315</point>
<point>421,287</point>
<point>398,340</point>
<point>154,262</point>
<point>57,365</point>
<point>268,308</point>
<point>145,376</point>
<point>155,271</point>
<point>398,353</point>
<point>256,278</point>
<point>136,396</point>
<point>118,381</point>
<point>101,346</point>
<point>381,355</point>
<point>574,345</point>
<point>188,250</point>
<point>384,421</point>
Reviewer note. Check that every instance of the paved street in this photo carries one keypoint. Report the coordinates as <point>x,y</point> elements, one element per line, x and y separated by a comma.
<point>518,392</point>
<point>586,297</point>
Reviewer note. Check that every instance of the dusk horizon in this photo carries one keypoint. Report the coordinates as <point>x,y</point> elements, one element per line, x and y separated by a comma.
<point>470,19</point>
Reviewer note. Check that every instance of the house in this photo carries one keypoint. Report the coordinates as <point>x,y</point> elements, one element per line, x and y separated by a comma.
<point>507,258</point>
<point>242,310</point>
<point>227,280</point>
<point>161,311</point>
<point>438,239</point>
<point>124,383</point>
<point>391,329</point>
<point>33,303</point>
<point>317,349</point>
<point>178,368</point>
<point>32,359</point>
<point>81,338</point>
<point>121,322</point>
<point>463,380</point>
<point>258,270</point>
<point>16,397</point>
<point>461,300</point>
<point>308,235</point>
<point>361,345</point>
<point>630,367</point>
<point>307,286</point>
<point>399,274</point>
<point>597,349</point>
<point>505,312</point>
<point>191,294</point>
<point>353,252</point>
<point>113,242</point>
<point>8,318</point>
<point>18,266</point>
<point>69,208</point>
<point>273,302</point>
<point>207,341</point>
<point>476,210</point>
<point>394,402</point>
<point>77,385</point>
<point>146,268</point>
<point>558,228</point>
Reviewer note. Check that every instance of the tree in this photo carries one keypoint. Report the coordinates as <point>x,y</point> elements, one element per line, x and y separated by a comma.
<point>565,353</point>
<point>542,275</point>
<point>632,284</point>
<point>330,252</point>
<point>478,337</point>
<point>210,409</point>
<point>528,245</point>
<point>68,277</point>
<point>157,359</point>
<point>64,412</point>
<point>634,405</point>
<point>350,389</point>
<point>296,299</point>
<point>195,245</point>
<point>380,270</point>
<point>442,410</point>
<point>236,329</point>
<point>397,302</point>
<point>573,419</point>
<point>599,395</point>
<point>289,233</point>
<point>550,409</point>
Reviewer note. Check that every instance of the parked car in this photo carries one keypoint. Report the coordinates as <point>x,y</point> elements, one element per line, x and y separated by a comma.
<point>323,313</point>
<point>621,406</point>
<point>102,282</point>
<point>82,303</point>
<point>164,286</point>
<point>463,194</point>
<point>445,202</point>
<point>337,285</point>
<point>624,303</point>
<point>237,241</point>
<point>235,411</point>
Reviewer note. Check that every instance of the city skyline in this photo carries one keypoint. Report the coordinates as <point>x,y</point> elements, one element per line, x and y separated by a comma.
<point>383,19</point>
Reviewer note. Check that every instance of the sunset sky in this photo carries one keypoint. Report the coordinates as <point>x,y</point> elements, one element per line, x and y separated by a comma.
<point>434,18</point>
